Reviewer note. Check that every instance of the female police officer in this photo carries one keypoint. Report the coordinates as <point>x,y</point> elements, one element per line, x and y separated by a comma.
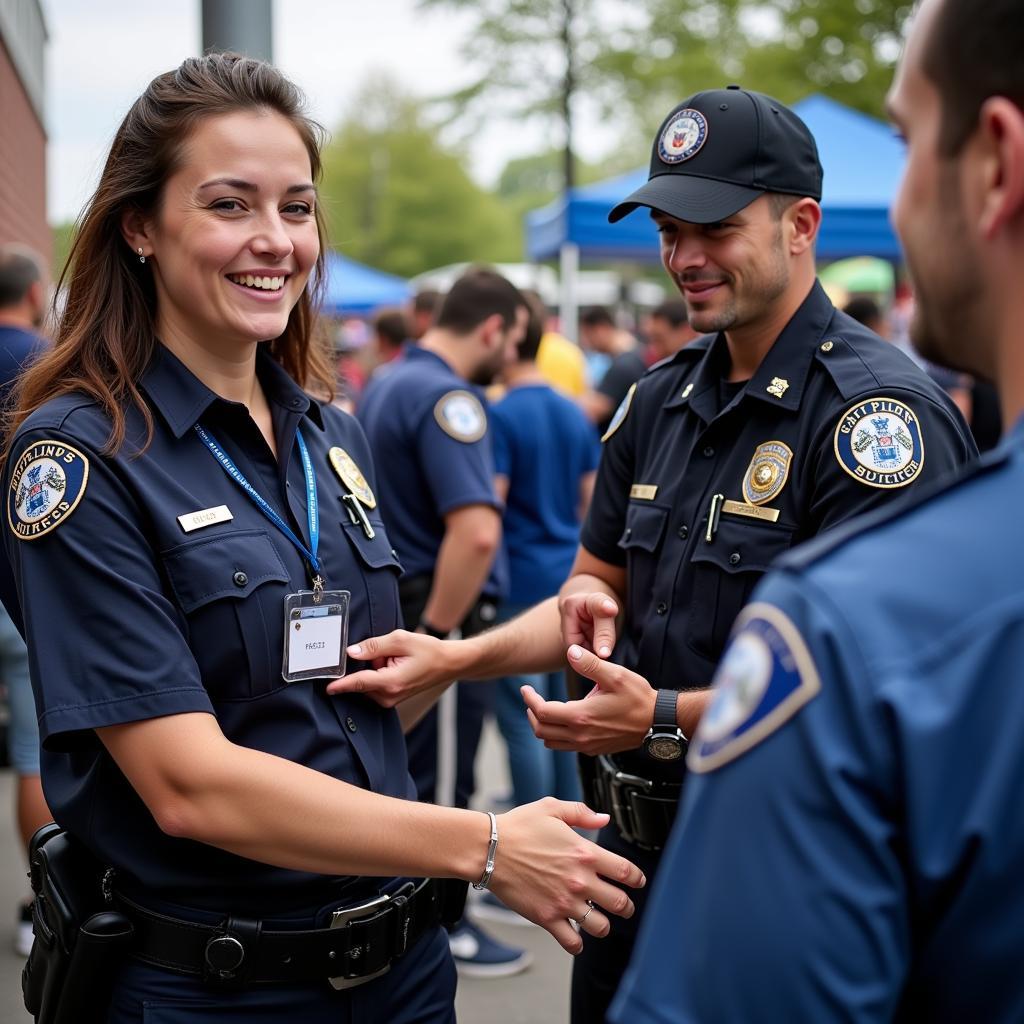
<point>191,535</point>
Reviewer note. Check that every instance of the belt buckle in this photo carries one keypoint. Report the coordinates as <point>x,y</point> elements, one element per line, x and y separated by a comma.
<point>341,919</point>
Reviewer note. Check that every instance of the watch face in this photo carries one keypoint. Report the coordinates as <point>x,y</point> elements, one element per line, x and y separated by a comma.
<point>664,748</point>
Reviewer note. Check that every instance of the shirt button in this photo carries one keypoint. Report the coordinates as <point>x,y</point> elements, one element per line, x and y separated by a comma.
<point>240,579</point>
<point>709,452</point>
<point>350,724</point>
<point>662,608</point>
<point>734,558</point>
<point>683,532</point>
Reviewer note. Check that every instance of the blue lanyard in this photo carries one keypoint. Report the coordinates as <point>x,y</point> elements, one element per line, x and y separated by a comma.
<point>261,503</point>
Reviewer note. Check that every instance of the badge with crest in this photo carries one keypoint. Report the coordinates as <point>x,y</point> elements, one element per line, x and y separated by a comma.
<point>47,484</point>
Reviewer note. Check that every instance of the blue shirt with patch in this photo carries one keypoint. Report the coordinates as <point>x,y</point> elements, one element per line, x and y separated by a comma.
<point>541,524</point>
<point>861,857</point>
<point>130,617</point>
<point>428,427</point>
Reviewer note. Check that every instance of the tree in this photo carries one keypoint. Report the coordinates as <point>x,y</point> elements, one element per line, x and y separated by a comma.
<point>397,199</point>
<point>788,48</point>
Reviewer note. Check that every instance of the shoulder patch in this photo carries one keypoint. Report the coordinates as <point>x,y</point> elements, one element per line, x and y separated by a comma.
<point>351,476</point>
<point>620,414</point>
<point>878,442</point>
<point>47,484</point>
<point>765,677</point>
<point>461,416</point>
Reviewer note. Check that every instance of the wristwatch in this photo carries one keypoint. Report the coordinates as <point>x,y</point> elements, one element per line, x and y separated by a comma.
<point>431,630</point>
<point>665,740</point>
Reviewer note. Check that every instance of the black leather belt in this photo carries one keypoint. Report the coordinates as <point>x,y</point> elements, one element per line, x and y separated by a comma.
<point>361,943</point>
<point>643,810</point>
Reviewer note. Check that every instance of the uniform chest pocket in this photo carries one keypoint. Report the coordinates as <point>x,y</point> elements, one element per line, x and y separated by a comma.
<point>230,588</point>
<point>645,526</point>
<point>724,573</point>
<point>374,586</point>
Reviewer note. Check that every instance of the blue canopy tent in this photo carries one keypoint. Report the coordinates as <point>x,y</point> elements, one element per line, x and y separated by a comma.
<point>862,160</point>
<point>353,288</point>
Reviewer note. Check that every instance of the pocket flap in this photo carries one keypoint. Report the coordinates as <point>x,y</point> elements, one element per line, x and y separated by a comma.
<point>226,565</point>
<point>744,545</point>
<point>645,525</point>
<point>376,551</point>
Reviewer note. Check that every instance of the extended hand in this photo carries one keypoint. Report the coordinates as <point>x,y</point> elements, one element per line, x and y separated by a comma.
<point>404,664</point>
<point>547,872</point>
<point>589,620</point>
<point>614,716</point>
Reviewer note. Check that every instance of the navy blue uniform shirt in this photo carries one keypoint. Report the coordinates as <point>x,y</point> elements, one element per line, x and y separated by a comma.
<point>851,842</point>
<point>428,427</point>
<point>834,422</point>
<point>129,617</point>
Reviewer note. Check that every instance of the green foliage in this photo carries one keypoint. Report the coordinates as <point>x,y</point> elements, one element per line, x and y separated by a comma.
<point>846,49</point>
<point>397,199</point>
<point>62,235</point>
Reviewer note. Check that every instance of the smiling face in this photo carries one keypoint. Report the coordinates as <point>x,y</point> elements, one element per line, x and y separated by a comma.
<point>235,237</point>
<point>729,273</point>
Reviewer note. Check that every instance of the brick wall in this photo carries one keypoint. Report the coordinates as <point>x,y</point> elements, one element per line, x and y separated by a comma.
<point>22,165</point>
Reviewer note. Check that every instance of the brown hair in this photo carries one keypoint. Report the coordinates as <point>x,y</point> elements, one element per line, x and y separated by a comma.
<point>478,294</point>
<point>971,54</point>
<point>105,335</point>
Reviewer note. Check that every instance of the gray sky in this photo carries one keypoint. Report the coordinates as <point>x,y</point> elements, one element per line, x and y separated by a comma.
<point>102,54</point>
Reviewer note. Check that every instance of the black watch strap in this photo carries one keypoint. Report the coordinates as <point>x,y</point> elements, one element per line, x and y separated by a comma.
<point>431,630</point>
<point>665,711</point>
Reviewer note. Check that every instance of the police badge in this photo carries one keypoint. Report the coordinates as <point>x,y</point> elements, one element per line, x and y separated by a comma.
<point>767,473</point>
<point>879,443</point>
<point>351,476</point>
<point>46,486</point>
<point>683,136</point>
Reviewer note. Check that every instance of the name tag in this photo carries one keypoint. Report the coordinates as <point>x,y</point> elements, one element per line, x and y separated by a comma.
<point>315,634</point>
<point>205,517</point>
<point>739,508</point>
<point>645,492</point>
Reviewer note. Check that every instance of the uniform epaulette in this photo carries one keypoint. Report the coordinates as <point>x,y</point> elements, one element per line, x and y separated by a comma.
<point>824,544</point>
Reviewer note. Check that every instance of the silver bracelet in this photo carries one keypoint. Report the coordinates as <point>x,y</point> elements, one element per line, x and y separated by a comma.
<point>485,878</point>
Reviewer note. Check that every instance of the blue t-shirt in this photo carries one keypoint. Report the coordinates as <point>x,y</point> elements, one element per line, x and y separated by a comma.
<point>851,845</point>
<point>544,444</point>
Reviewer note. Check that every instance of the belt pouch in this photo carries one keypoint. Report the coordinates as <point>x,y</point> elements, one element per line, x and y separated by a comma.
<point>451,894</point>
<point>67,888</point>
<point>101,947</point>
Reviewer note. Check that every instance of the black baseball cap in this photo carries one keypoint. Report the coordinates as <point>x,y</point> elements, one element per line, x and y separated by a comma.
<point>719,150</point>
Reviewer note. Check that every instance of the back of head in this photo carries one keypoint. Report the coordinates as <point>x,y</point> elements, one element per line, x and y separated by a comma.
<point>672,312</point>
<point>480,293</point>
<point>392,327</point>
<point>20,268</point>
<point>526,351</point>
<point>596,316</point>
<point>865,311</point>
<point>973,53</point>
<point>105,337</point>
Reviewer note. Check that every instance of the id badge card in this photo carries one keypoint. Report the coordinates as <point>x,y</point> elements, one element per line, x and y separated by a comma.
<point>315,635</point>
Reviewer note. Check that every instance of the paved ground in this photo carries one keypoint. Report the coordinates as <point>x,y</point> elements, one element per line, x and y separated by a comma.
<point>539,996</point>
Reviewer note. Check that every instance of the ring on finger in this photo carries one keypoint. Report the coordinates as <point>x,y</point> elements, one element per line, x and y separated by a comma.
<point>590,910</point>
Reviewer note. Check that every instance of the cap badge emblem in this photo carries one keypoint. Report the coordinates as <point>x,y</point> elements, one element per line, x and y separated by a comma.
<point>683,136</point>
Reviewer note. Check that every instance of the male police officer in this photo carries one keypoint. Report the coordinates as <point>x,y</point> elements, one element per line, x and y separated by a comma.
<point>853,847</point>
<point>787,419</point>
<point>426,424</point>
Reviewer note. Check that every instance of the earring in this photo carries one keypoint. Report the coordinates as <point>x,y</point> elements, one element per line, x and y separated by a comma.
<point>142,258</point>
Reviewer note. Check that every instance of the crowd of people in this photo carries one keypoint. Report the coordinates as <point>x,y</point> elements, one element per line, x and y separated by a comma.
<point>724,590</point>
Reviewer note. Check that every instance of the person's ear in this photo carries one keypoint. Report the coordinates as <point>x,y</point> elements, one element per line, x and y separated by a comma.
<point>998,149</point>
<point>136,231</point>
<point>491,331</point>
<point>802,220</point>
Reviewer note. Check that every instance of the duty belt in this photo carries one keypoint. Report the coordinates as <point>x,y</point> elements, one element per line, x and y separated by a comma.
<point>641,809</point>
<point>361,944</point>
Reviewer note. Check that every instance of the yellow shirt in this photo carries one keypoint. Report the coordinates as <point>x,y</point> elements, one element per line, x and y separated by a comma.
<point>562,364</point>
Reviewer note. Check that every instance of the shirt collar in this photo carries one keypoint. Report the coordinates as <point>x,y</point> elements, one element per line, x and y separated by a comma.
<point>182,398</point>
<point>781,378</point>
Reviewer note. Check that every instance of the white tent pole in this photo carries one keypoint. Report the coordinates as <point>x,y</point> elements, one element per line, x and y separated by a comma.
<point>568,305</point>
